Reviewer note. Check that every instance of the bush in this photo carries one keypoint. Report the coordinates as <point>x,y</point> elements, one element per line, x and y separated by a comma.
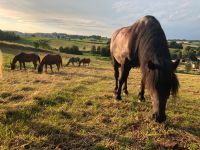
<point>173,44</point>
<point>105,52</point>
<point>188,67</point>
<point>71,50</point>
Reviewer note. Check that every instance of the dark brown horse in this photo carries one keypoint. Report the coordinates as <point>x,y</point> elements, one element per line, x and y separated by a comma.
<point>84,61</point>
<point>25,57</point>
<point>50,59</point>
<point>144,45</point>
<point>73,60</point>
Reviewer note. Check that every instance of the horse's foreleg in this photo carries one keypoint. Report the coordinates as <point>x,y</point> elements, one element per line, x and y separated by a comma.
<point>125,68</point>
<point>51,68</point>
<point>46,67</point>
<point>20,65</point>
<point>35,65</point>
<point>125,91</point>
<point>141,93</point>
<point>24,65</point>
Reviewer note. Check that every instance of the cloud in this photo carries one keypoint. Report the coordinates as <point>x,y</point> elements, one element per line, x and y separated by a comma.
<point>52,16</point>
<point>98,17</point>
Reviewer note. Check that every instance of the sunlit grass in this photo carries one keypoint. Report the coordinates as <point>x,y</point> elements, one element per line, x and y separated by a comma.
<point>74,109</point>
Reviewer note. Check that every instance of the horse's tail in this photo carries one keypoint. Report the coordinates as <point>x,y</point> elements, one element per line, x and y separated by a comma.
<point>1,63</point>
<point>61,61</point>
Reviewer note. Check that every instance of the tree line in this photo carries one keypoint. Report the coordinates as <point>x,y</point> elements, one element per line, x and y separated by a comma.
<point>188,52</point>
<point>8,36</point>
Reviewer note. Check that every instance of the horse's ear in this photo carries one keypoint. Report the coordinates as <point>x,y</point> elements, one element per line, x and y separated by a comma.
<point>175,64</point>
<point>152,66</point>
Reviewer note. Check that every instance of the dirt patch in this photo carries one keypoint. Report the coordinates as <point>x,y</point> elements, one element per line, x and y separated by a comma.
<point>6,94</point>
<point>17,97</point>
<point>27,89</point>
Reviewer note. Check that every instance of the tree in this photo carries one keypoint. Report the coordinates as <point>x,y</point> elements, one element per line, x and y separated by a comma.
<point>93,49</point>
<point>188,67</point>
<point>180,55</point>
<point>187,48</point>
<point>105,52</point>
<point>44,44</point>
<point>174,44</point>
<point>36,44</point>
<point>98,51</point>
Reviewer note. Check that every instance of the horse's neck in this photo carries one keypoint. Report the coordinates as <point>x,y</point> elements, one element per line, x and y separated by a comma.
<point>42,63</point>
<point>15,60</point>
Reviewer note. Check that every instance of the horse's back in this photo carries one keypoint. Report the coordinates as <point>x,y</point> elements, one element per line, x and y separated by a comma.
<point>27,57</point>
<point>52,59</point>
<point>125,41</point>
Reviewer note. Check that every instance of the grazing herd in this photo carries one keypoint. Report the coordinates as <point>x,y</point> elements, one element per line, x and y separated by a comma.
<point>49,59</point>
<point>144,45</point>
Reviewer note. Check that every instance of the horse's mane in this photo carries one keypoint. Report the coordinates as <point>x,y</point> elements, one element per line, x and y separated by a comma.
<point>152,46</point>
<point>1,63</point>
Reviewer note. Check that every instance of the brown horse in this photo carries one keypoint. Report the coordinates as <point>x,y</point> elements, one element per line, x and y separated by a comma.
<point>25,57</point>
<point>144,45</point>
<point>84,61</point>
<point>50,59</point>
<point>73,60</point>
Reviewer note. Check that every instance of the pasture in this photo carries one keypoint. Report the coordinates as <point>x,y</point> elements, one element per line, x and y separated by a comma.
<point>75,109</point>
<point>83,44</point>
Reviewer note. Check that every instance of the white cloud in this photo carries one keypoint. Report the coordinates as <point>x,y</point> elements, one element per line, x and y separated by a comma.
<point>98,17</point>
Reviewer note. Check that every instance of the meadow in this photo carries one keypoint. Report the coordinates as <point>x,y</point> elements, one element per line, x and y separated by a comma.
<point>83,44</point>
<point>75,109</point>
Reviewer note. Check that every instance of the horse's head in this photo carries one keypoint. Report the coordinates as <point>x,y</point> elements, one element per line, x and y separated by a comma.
<point>162,81</point>
<point>12,65</point>
<point>40,69</point>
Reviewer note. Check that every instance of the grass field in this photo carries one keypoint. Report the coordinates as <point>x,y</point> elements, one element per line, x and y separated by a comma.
<point>75,109</point>
<point>83,44</point>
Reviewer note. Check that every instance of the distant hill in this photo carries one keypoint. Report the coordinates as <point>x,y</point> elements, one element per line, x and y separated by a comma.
<point>58,35</point>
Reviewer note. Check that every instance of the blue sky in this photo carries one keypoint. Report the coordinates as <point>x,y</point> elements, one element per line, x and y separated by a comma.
<point>179,18</point>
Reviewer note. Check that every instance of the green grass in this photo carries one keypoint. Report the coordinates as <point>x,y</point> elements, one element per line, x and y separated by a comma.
<point>75,109</point>
<point>83,44</point>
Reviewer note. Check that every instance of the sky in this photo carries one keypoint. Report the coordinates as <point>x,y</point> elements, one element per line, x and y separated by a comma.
<point>180,19</point>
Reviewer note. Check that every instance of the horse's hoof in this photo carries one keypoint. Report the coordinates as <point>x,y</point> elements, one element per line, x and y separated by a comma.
<point>118,98</point>
<point>125,93</point>
<point>141,99</point>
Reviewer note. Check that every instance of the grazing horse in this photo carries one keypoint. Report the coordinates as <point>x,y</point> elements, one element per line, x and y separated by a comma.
<point>50,59</point>
<point>25,57</point>
<point>84,61</point>
<point>144,45</point>
<point>1,64</point>
<point>73,60</point>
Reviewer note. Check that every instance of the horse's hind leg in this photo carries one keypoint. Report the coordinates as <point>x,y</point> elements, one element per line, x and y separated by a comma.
<point>125,68</point>
<point>58,67</point>
<point>116,74</point>
<point>141,93</point>
<point>51,68</point>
